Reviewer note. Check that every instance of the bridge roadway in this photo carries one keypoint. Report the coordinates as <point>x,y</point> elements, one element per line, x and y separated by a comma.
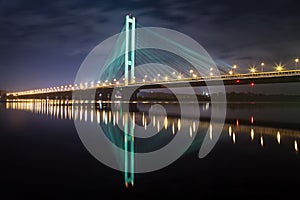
<point>106,91</point>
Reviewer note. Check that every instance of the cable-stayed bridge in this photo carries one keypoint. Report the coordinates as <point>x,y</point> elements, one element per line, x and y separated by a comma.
<point>129,64</point>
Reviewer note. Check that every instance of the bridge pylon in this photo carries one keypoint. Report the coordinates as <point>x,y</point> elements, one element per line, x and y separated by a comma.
<point>129,48</point>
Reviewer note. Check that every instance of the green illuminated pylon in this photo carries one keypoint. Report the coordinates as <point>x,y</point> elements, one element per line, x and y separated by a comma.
<point>129,48</point>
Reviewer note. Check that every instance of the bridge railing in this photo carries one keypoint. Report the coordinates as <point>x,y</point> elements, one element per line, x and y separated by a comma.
<point>225,77</point>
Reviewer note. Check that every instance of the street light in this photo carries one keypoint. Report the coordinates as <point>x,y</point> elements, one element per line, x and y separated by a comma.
<point>230,72</point>
<point>191,72</point>
<point>211,71</point>
<point>145,77</point>
<point>234,68</point>
<point>252,69</point>
<point>262,66</point>
<point>296,61</point>
<point>279,67</point>
<point>158,75</point>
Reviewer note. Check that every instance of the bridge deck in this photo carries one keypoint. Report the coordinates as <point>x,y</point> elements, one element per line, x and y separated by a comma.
<point>235,79</point>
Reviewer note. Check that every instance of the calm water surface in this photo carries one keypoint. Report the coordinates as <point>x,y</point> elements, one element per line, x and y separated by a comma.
<point>256,155</point>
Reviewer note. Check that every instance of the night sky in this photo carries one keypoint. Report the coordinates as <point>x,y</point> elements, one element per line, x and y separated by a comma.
<point>42,43</point>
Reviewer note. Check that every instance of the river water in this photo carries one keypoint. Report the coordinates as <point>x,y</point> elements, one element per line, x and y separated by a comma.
<point>43,157</point>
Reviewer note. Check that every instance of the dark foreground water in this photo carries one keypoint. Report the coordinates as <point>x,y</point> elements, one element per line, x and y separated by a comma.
<point>256,156</point>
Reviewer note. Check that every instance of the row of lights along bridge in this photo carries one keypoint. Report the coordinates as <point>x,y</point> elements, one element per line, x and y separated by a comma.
<point>278,68</point>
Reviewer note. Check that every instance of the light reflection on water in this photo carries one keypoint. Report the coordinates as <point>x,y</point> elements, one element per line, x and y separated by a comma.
<point>234,128</point>
<point>88,112</point>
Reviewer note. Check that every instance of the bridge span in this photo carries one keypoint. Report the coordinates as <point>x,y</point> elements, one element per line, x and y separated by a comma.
<point>103,91</point>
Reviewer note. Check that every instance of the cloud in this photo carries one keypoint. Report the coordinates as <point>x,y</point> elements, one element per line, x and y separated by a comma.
<point>233,31</point>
